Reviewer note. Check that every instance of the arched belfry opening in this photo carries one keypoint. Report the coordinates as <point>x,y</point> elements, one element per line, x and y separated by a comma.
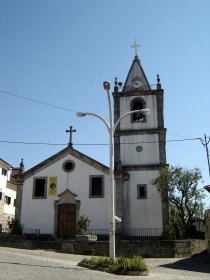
<point>138,104</point>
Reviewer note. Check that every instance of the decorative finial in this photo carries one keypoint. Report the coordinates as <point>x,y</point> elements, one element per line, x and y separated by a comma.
<point>115,82</point>
<point>135,45</point>
<point>70,131</point>
<point>115,85</point>
<point>158,82</point>
<point>21,169</point>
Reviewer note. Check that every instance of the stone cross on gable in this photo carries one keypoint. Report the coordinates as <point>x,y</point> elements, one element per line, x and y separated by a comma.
<point>70,131</point>
<point>135,46</point>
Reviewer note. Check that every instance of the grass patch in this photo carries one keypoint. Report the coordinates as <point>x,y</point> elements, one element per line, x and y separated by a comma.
<point>120,265</point>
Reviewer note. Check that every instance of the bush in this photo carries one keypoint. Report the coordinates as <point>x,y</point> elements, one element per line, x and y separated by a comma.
<point>83,224</point>
<point>120,265</point>
<point>99,261</point>
<point>129,264</point>
<point>14,226</point>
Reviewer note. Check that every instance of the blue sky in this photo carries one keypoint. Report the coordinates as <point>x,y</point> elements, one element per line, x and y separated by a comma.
<point>61,51</point>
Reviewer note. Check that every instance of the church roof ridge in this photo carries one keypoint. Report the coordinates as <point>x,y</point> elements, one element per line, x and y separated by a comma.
<point>59,155</point>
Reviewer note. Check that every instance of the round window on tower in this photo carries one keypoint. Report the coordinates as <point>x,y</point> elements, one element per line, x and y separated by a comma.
<point>139,149</point>
<point>68,166</point>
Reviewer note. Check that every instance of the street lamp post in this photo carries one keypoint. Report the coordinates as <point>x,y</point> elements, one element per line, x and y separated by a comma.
<point>111,129</point>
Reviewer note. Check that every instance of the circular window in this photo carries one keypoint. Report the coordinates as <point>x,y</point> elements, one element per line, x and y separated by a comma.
<point>68,166</point>
<point>139,149</point>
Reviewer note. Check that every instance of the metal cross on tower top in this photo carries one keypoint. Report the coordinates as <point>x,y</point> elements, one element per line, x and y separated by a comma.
<point>71,130</point>
<point>135,46</point>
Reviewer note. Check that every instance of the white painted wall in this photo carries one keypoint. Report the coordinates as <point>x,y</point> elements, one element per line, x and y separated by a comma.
<point>141,213</point>
<point>149,154</point>
<point>11,192</point>
<point>144,213</point>
<point>3,179</point>
<point>7,189</point>
<point>39,213</point>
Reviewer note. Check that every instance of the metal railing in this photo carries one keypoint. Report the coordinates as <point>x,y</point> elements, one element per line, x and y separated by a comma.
<point>26,231</point>
<point>31,231</point>
<point>127,234</point>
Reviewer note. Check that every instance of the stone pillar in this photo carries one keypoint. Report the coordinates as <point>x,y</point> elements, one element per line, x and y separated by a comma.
<point>19,183</point>
<point>120,178</point>
<point>19,198</point>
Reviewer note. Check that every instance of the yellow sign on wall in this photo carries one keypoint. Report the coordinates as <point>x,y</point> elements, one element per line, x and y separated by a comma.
<point>52,189</point>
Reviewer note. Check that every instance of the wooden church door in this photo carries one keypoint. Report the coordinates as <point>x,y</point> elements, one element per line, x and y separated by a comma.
<point>66,220</point>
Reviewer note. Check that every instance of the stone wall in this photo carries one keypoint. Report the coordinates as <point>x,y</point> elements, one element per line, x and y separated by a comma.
<point>17,241</point>
<point>3,216</point>
<point>147,248</point>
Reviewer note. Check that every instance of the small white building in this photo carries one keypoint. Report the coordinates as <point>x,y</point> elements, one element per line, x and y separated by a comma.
<point>8,190</point>
<point>55,193</point>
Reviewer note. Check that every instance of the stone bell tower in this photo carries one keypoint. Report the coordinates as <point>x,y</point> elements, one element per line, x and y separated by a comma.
<point>140,151</point>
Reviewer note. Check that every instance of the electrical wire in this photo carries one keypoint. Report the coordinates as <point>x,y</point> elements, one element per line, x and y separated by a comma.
<point>37,101</point>
<point>96,144</point>
<point>69,110</point>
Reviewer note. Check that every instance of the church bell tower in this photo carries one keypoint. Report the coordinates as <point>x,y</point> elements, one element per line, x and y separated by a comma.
<point>139,151</point>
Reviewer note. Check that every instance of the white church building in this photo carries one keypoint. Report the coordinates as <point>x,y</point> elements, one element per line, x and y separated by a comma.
<point>55,193</point>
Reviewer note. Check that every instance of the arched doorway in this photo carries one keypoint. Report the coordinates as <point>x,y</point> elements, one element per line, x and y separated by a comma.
<point>66,215</point>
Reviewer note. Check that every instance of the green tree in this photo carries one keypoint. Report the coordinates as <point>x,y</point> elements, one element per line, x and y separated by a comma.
<point>180,187</point>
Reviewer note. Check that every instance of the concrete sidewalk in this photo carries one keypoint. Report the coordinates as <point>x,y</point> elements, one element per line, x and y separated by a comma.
<point>197,267</point>
<point>19,264</point>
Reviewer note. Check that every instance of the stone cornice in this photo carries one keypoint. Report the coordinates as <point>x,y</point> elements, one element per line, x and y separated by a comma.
<point>138,93</point>
<point>140,132</point>
<point>143,167</point>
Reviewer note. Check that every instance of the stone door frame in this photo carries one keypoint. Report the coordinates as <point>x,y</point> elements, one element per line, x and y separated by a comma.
<point>67,197</point>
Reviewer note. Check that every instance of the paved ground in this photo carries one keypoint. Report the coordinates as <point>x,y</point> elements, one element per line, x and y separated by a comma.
<point>18,264</point>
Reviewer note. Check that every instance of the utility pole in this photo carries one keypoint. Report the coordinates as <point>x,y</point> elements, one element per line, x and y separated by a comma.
<point>205,143</point>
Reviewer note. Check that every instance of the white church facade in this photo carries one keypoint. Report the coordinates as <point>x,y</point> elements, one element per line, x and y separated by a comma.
<point>55,193</point>
<point>60,189</point>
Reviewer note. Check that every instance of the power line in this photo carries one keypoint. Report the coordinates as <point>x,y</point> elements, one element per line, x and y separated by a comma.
<point>180,140</point>
<point>69,110</point>
<point>31,143</point>
<point>95,144</point>
<point>37,101</point>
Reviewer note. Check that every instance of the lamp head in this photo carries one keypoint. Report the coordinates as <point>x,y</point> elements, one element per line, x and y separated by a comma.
<point>81,114</point>
<point>145,111</point>
<point>106,85</point>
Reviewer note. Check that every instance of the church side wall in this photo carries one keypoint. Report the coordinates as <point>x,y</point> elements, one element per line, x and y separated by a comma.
<point>145,212</point>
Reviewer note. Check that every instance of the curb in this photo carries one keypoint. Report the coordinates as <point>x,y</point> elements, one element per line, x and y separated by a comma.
<point>105,269</point>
